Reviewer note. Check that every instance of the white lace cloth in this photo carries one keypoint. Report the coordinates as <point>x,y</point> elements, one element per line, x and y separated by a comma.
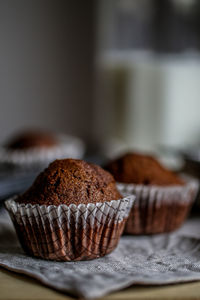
<point>156,260</point>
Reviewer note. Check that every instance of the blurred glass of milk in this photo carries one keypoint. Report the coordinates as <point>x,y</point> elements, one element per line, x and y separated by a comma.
<point>149,100</point>
<point>148,75</point>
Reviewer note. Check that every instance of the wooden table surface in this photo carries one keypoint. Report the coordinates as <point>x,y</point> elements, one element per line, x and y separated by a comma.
<point>19,287</point>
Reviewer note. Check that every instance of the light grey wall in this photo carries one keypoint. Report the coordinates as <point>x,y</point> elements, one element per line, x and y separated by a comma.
<point>46,65</point>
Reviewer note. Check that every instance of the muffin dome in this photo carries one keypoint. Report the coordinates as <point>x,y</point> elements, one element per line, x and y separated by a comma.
<point>141,169</point>
<point>70,181</point>
<point>32,139</point>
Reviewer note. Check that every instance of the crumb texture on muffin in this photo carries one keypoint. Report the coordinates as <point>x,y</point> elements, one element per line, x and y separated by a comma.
<point>141,169</point>
<point>70,181</point>
<point>32,139</point>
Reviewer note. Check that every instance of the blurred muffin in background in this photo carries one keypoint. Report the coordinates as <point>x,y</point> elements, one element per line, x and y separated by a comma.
<point>163,199</point>
<point>142,169</point>
<point>36,147</point>
<point>32,139</point>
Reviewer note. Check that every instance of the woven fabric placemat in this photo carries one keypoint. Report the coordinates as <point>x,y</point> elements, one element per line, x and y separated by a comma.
<point>147,260</point>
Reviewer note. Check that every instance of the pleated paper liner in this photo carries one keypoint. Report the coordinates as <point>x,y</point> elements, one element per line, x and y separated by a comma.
<point>70,233</point>
<point>67,147</point>
<point>158,209</point>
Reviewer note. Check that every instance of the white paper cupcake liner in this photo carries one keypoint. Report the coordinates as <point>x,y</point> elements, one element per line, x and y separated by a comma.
<point>71,232</point>
<point>158,209</point>
<point>67,147</point>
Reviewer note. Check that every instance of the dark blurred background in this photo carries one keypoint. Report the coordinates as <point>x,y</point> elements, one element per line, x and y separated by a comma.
<point>46,66</point>
<point>120,74</point>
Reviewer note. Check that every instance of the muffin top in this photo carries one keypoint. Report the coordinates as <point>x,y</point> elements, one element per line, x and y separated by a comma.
<point>32,139</point>
<point>141,169</point>
<point>70,181</point>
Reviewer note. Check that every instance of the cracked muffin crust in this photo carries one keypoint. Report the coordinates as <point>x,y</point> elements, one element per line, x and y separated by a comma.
<point>70,181</point>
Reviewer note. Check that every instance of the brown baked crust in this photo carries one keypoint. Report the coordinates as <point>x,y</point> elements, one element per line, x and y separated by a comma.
<point>70,181</point>
<point>141,169</point>
<point>32,139</point>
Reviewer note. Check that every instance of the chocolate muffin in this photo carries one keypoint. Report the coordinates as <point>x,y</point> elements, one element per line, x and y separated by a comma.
<point>163,199</point>
<point>32,139</point>
<point>73,211</point>
<point>35,149</point>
